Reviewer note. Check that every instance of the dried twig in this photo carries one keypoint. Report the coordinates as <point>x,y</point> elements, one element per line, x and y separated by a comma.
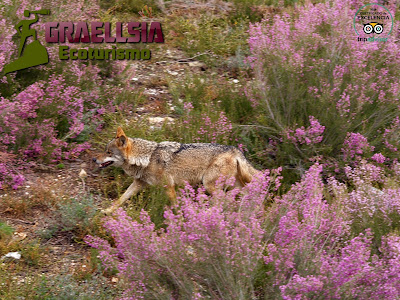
<point>21,221</point>
<point>190,59</point>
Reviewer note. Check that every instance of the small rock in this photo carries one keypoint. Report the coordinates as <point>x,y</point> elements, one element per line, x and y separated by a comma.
<point>173,73</point>
<point>160,120</point>
<point>235,81</point>
<point>151,92</point>
<point>14,255</point>
<point>17,237</point>
<point>195,64</point>
<point>82,174</point>
<point>114,280</point>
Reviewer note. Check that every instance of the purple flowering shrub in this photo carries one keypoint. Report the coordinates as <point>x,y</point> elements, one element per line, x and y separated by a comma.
<point>212,126</point>
<point>313,134</point>
<point>10,172</point>
<point>305,140</point>
<point>371,200</point>
<point>7,47</point>
<point>313,250</point>
<point>317,68</point>
<point>355,146</point>
<point>211,245</point>
<point>351,273</point>
<point>47,113</point>
<point>52,119</point>
<point>306,227</point>
<point>47,120</point>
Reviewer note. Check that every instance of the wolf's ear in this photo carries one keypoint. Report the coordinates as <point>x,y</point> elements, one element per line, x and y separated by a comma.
<point>122,140</point>
<point>121,137</point>
<point>120,132</point>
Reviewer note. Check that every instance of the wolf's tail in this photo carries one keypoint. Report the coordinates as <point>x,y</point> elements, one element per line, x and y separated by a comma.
<point>245,170</point>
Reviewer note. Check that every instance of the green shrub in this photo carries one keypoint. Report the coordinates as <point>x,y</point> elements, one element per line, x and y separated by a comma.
<point>65,287</point>
<point>128,6</point>
<point>76,214</point>
<point>5,230</point>
<point>214,37</point>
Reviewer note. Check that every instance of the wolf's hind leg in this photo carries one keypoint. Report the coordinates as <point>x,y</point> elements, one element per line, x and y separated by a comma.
<point>209,181</point>
<point>132,190</point>
<point>224,165</point>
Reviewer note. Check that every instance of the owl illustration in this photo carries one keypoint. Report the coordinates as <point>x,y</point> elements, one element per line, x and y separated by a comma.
<point>373,27</point>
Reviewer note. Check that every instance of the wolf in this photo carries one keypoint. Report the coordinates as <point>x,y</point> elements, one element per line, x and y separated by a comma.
<point>171,164</point>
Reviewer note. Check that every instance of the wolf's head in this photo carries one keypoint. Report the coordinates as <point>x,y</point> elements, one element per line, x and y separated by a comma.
<point>124,150</point>
<point>116,151</point>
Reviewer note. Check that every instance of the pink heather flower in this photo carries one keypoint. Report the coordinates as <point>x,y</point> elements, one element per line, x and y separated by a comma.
<point>343,104</point>
<point>297,223</point>
<point>188,106</point>
<point>379,158</point>
<point>396,168</point>
<point>47,115</point>
<point>242,148</point>
<point>10,173</point>
<point>310,135</point>
<point>355,145</point>
<point>365,173</point>
<point>250,94</point>
<point>391,135</point>
<point>210,131</point>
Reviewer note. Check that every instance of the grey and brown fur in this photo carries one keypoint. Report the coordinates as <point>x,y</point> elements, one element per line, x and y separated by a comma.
<point>172,164</point>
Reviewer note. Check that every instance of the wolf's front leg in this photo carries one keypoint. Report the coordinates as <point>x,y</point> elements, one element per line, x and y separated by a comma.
<point>132,190</point>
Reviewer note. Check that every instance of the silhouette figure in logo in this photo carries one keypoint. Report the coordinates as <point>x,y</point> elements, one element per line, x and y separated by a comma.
<point>26,30</point>
<point>32,54</point>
